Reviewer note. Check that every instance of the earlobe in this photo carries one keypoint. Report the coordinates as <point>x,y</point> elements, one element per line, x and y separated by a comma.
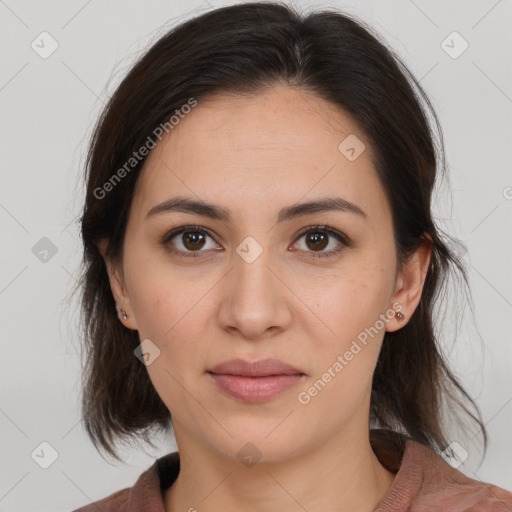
<point>410,283</point>
<point>117,286</point>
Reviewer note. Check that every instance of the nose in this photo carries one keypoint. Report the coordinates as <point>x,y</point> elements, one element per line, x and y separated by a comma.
<point>255,302</point>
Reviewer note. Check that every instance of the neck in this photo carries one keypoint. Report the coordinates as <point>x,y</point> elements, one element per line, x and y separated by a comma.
<point>342,474</point>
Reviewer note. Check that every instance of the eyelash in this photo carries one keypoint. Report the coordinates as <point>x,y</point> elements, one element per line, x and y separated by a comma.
<point>344,240</point>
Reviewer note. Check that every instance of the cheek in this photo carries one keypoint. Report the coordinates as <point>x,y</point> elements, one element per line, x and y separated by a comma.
<point>171,309</point>
<point>348,304</point>
<point>343,364</point>
<point>170,320</point>
<point>162,298</point>
<point>350,312</point>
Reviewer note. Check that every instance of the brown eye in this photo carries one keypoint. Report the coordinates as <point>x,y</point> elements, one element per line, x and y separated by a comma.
<point>188,241</point>
<point>317,238</point>
<point>193,240</point>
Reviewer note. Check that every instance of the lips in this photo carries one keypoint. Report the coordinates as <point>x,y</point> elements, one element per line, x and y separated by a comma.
<point>261,368</point>
<point>257,381</point>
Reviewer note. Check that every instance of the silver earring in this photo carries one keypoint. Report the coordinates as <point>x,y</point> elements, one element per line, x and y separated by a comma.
<point>399,316</point>
<point>123,313</point>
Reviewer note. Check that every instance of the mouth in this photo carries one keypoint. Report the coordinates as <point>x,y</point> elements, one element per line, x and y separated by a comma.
<point>255,382</point>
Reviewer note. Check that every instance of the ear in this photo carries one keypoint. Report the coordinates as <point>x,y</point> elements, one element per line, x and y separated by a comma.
<point>118,287</point>
<point>410,281</point>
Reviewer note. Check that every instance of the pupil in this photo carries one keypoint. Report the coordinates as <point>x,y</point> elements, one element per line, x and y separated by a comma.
<point>196,238</point>
<point>317,239</point>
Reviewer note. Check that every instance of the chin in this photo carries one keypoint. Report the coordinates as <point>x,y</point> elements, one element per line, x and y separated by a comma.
<point>259,441</point>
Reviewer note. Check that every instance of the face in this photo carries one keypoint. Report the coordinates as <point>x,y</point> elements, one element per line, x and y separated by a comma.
<point>314,288</point>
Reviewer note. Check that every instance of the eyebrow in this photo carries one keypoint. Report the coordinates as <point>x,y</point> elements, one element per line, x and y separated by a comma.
<point>212,211</point>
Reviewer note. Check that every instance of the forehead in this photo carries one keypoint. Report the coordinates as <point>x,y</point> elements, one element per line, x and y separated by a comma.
<point>250,152</point>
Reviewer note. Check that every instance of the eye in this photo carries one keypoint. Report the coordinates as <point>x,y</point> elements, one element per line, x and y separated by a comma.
<point>190,243</point>
<point>320,237</point>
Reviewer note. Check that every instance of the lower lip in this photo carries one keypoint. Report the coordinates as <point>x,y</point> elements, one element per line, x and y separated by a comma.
<point>255,389</point>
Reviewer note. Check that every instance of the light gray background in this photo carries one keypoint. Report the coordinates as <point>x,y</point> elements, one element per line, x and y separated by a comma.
<point>48,107</point>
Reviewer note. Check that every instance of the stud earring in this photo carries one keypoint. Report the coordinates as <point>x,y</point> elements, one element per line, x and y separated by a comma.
<point>399,316</point>
<point>123,313</point>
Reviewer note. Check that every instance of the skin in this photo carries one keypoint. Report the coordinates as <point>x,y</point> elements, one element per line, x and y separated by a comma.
<point>253,156</point>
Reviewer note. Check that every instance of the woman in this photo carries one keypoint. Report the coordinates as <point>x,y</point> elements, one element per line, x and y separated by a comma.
<point>261,269</point>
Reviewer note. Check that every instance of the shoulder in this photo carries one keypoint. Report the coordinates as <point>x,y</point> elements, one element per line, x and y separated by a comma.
<point>115,502</point>
<point>425,482</point>
<point>447,488</point>
<point>462,495</point>
<point>145,494</point>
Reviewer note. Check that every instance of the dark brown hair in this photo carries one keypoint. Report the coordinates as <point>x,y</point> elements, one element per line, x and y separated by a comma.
<point>245,49</point>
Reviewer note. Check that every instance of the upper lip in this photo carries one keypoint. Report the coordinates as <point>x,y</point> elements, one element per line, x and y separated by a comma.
<point>261,368</point>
